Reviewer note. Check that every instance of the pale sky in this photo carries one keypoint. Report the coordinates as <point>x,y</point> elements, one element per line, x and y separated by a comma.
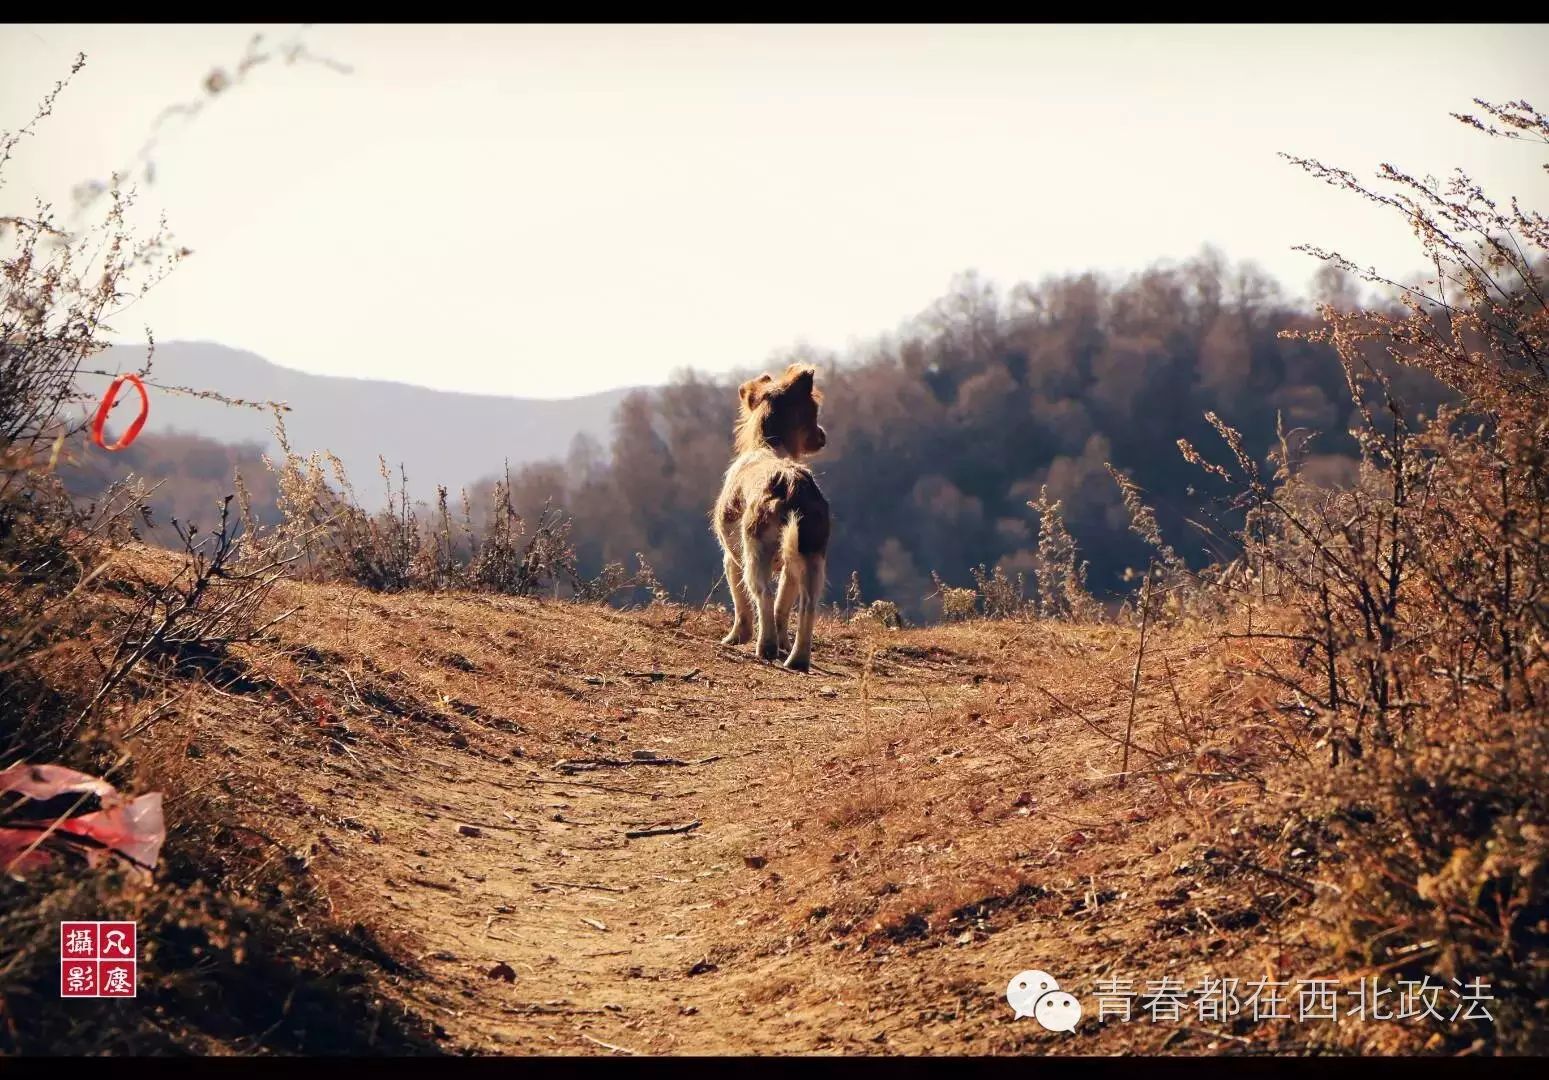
<point>553,210</point>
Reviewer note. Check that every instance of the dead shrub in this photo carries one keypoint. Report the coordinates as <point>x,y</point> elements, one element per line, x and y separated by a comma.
<point>1058,571</point>
<point>239,950</point>
<point>957,604</point>
<point>1414,607</point>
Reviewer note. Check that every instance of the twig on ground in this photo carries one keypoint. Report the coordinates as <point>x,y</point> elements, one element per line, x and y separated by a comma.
<point>589,764</point>
<point>580,885</point>
<point>665,830</point>
<point>658,676</point>
<point>1090,724</point>
<point>609,1046</point>
<point>594,787</point>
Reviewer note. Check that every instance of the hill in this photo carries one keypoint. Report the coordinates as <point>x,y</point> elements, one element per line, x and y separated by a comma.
<point>543,827</point>
<point>940,437</point>
<point>440,437</point>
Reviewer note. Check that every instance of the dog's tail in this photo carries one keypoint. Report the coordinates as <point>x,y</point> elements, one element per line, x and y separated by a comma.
<point>790,541</point>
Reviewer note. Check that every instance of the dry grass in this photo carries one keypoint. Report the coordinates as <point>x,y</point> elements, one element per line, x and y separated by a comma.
<point>241,952</point>
<point>942,804</point>
<point>880,844</point>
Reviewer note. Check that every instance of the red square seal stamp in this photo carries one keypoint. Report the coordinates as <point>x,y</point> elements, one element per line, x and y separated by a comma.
<point>78,978</point>
<point>98,959</point>
<point>115,941</point>
<point>78,941</point>
<point>116,978</point>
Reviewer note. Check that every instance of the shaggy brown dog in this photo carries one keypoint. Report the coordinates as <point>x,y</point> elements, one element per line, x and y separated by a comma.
<point>771,514</point>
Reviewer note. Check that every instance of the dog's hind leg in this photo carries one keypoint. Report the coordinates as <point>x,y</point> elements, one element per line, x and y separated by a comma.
<point>792,567</point>
<point>810,569</point>
<point>742,604</point>
<point>757,559</point>
<point>785,596</point>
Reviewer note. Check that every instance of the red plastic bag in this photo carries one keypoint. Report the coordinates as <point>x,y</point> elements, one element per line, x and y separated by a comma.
<point>40,817</point>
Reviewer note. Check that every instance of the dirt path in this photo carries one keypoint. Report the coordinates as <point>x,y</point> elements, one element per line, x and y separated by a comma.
<point>858,859</point>
<point>616,942</point>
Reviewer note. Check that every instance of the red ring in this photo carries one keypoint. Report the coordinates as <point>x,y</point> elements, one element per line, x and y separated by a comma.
<point>107,403</point>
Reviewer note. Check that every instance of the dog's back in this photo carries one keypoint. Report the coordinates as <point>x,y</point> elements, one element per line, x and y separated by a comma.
<point>760,494</point>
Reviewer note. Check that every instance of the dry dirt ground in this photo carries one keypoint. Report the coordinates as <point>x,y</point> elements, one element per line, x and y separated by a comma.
<point>601,832</point>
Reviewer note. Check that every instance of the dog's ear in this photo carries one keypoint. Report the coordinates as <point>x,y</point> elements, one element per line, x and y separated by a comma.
<point>754,390</point>
<point>798,379</point>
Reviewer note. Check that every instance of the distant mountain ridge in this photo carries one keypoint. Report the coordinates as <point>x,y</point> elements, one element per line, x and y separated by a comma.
<point>439,436</point>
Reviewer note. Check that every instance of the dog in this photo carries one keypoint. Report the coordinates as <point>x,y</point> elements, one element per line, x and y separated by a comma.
<point>771,516</point>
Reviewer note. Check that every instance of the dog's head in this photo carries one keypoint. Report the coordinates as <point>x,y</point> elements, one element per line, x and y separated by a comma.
<point>781,413</point>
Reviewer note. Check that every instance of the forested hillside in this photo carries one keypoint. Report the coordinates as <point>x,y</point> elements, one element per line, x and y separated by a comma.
<point>940,434</point>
